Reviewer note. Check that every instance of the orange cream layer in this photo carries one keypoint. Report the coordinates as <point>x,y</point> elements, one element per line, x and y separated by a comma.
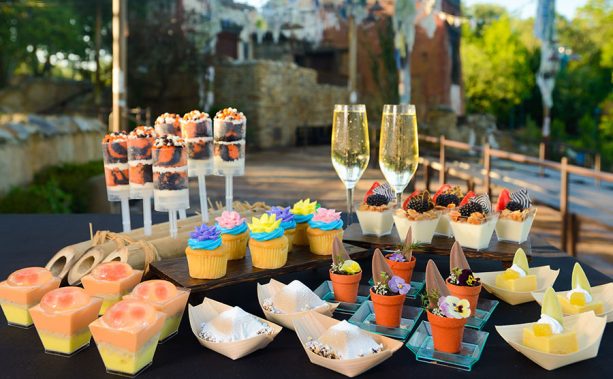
<point>65,310</point>
<point>28,285</point>
<point>162,294</point>
<point>111,279</point>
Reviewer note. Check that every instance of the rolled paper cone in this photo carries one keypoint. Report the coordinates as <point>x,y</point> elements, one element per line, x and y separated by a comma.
<point>125,214</point>
<point>147,215</point>
<point>229,193</point>
<point>204,210</point>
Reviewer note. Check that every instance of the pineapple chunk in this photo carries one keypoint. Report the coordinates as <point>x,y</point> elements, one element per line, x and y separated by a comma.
<point>577,298</point>
<point>542,330</point>
<point>571,309</point>
<point>516,284</point>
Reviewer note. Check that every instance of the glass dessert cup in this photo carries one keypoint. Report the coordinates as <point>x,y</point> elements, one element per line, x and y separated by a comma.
<point>474,236</point>
<point>110,282</point>
<point>511,230</point>
<point>423,230</point>
<point>443,228</point>
<point>376,223</point>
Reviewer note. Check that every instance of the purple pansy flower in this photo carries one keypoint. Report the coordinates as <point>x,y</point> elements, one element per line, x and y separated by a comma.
<point>205,232</point>
<point>398,285</point>
<point>282,214</point>
<point>397,257</point>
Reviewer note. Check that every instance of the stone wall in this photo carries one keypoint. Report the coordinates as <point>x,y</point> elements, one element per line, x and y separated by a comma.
<point>36,95</point>
<point>29,143</point>
<point>277,98</point>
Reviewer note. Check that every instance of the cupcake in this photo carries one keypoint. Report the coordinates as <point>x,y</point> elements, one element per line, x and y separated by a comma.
<point>375,213</point>
<point>417,213</point>
<point>234,234</point>
<point>473,222</point>
<point>268,243</point>
<point>445,199</point>
<point>515,215</point>
<point>206,256</point>
<point>303,213</point>
<point>288,223</point>
<point>325,225</point>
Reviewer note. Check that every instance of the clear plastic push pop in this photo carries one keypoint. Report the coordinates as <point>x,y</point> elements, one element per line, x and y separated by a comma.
<point>170,182</point>
<point>197,131</point>
<point>168,123</point>
<point>230,128</point>
<point>116,172</point>
<point>140,159</point>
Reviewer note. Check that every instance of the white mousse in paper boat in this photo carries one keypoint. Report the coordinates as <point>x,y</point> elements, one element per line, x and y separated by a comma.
<point>516,215</point>
<point>473,222</point>
<point>375,212</point>
<point>417,213</point>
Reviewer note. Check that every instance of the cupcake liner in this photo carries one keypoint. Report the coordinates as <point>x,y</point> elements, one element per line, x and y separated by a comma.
<point>290,233</point>
<point>207,264</point>
<point>300,236</point>
<point>235,245</point>
<point>321,241</point>
<point>269,254</point>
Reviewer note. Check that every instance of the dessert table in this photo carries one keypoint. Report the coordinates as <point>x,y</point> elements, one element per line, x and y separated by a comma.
<point>29,240</point>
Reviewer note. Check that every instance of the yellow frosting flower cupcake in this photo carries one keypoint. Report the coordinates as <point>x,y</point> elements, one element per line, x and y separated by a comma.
<point>325,225</point>
<point>268,244</point>
<point>234,234</point>
<point>206,256</point>
<point>303,213</point>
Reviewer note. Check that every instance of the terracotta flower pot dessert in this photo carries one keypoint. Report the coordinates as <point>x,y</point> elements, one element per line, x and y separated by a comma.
<point>447,314</point>
<point>446,199</point>
<point>418,214</point>
<point>461,282</point>
<point>206,256</point>
<point>168,123</point>
<point>402,261</point>
<point>166,298</point>
<point>110,281</point>
<point>140,160</point>
<point>517,278</point>
<point>268,243</point>
<point>22,290</point>
<point>62,318</point>
<point>548,334</point>
<point>388,292</point>
<point>375,212</point>
<point>288,223</point>
<point>345,274</point>
<point>127,336</point>
<point>303,212</point>
<point>473,222</point>
<point>344,341</point>
<point>516,215</point>
<point>324,227</point>
<point>234,234</point>
<point>580,298</point>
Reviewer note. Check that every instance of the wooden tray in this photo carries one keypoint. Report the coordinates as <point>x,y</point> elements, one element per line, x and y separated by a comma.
<point>498,250</point>
<point>241,271</point>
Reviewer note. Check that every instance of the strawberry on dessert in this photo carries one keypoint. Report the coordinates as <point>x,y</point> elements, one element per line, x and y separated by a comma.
<point>473,221</point>
<point>62,319</point>
<point>22,290</point>
<point>166,298</point>
<point>417,213</point>
<point>516,215</point>
<point>445,199</point>
<point>110,281</point>
<point>375,212</point>
<point>127,336</point>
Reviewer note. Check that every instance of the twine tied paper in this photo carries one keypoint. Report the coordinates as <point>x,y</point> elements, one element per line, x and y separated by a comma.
<point>102,236</point>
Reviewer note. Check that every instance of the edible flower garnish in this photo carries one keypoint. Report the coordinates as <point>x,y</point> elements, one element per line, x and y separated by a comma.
<point>391,286</point>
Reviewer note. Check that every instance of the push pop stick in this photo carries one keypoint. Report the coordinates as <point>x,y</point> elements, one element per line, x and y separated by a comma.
<point>116,172</point>
<point>140,143</point>
<point>197,132</point>
<point>229,142</point>
<point>170,181</point>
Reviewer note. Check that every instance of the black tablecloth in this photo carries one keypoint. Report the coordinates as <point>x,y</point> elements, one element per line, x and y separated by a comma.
<point>28,240</point>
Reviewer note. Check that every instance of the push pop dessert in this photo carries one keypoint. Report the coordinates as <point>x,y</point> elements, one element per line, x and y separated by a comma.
<point>418,214</point>
<point>116,167</point>
<point>62,318</point>
<point>168,123</point>
<point>140,160</point>
<point>230,127</point>
<point>517,278</point>
<point>22,290</point>
<point>127,336</point>
<point>197,132</point>
<point>234,234</point>
<point>206,256</point>
<point>166,298</point>
<point>580,298</point>
<point>445,199</point>
<point>375,212</point>
<point>303,212</point>
<point>324,227</point>
<point>268,243</point>
<point>516,215</point>
<point>473,222</point>
<point>111,281</point>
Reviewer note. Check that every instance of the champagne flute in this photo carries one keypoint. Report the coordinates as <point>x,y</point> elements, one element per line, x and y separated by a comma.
<point>350,147</point>
<point>398,146</point>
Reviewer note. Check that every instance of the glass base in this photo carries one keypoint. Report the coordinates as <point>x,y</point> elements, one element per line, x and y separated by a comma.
<point>20,326</point>
<point>364,317</point>
<point>422,345</point>
<point>169,337</point>
<point>485,308</point>
<point>326,293</point>
<point>126,375</point>
<point>65,355</point>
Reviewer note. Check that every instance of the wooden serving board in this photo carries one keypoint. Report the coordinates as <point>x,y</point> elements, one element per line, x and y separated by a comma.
<point>240,271</point>
<point>497,250</point>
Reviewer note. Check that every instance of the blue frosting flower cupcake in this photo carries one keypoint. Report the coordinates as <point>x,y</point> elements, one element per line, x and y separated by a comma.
<point>206,255</point>
<point>288,223</point>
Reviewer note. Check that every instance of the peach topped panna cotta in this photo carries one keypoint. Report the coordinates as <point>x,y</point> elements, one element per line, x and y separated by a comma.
<point>22,290</point>
<point>110,281</point>
<point>61,319</point>
<point>127,336</point>
<point>166,298</point>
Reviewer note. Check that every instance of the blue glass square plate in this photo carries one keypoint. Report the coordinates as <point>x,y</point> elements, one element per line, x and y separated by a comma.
<point>326,293</point>
<point>418,282</point>
<point>485,308</point>
<point>364,317</point>
<point>473,343</point>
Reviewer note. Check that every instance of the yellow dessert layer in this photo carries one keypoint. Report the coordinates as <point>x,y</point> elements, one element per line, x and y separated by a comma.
<point>236,246</point>
<point>126,362</point>
<point>300,236</point>
<point>571,309</point>
<point>207,264</point>
<point>269,254</point>
<point>525,284</point>
<point>17,314</point>
<point>107,303</point>
<point>290,233</point>
<point>563,343</point>
<point>65,344</point>
<point>171,325</point>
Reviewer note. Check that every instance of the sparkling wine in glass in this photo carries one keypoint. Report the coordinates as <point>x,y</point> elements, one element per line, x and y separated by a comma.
<point>350,147</point>
<point>399,146</point>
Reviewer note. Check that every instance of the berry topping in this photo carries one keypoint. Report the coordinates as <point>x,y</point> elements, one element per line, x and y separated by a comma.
<point>29,276</point>
<point>470,208</point>
<point>444,188</point>
<point>522,198</point>
<point>421,202</point>
<point>466,198</point>
<point>155,290</point>
<point>514,206</point>
<point>445,199</point>
<point>503,200</point>
<point>371,190</point>
<point>65,298</point>
<point>112,271</point>
<point>129,314</point>
<point>376,200</point>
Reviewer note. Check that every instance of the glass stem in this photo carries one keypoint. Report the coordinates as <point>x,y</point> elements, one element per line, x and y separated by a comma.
<point>399,200</point>
<point>349,206</point>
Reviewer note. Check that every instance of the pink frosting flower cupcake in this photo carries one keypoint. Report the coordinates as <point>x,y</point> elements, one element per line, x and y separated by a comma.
<point>234,234</point>
<point>325,225</point>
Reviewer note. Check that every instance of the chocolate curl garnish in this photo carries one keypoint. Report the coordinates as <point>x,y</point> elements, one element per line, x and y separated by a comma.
<point>457,259</point>
<point>435,284</point>
<point>379,266</point>
<point>407,249</point>
<point>339,254</point>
